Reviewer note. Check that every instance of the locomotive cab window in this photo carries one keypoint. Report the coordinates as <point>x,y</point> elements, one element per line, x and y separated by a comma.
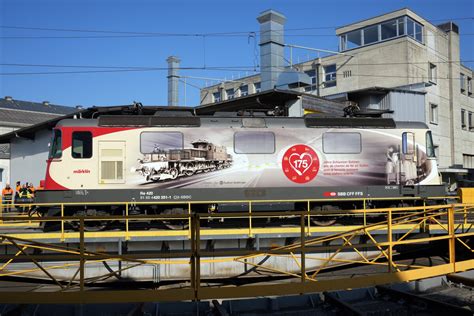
<point>408,143</point>
<point>56,146</point>
<point>81,145</point>
<point>342,143</point>
<point>254,142</point>
<point>430,148</point>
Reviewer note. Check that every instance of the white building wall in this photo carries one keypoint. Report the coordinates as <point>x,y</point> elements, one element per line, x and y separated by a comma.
<point>5,163</point>
<point>28,158</point>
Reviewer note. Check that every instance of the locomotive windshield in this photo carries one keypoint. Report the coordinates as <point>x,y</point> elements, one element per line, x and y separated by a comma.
<point>430,150</point>
<point>56,147</point>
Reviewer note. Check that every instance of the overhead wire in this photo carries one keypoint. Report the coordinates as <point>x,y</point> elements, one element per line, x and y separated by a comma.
<point>363,23</point>
<point>241,67</point>
<point>132,34</point>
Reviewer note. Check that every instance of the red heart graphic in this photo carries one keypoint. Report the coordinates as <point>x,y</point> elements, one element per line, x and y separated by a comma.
<point>300,162</point>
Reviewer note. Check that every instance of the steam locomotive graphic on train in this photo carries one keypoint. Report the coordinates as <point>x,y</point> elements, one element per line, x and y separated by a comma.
<point>149,161</point>
<point>169,163</point>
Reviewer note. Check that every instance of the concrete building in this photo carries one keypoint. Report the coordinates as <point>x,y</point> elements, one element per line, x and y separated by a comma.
<point>396,61</point>
<point>14,115</point>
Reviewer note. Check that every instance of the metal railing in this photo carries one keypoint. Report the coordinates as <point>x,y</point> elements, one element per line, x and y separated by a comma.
<point>20,217</point>
<point>400,227</point>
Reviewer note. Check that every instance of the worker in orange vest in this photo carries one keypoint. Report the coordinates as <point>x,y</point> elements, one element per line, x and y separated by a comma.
<point>7,197</point>
<point>18,189</point>
<point>32,189</point>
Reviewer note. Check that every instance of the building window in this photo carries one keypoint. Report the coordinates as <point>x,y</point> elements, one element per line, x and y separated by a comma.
<point>371,34</point>
<point>419,32</point>
<point>351,40</point>
<point>433,113</point>
<point>81,145</point>
<point>401,26</point>
<point>330,75</point>
<point>432,73</point>
<point>217,96</point>
<point>381,32</point>
<point>469,121</point>
<point>258,87</point>
<point>469,86</point>
<point>463,119</point>
<point>230,93</point>
<point>468,161</point>
<point>414,30</point>
<point>462,82</point>
<point>312,74</point>
<point>254,143</point>
<point>389,29</point>
<point>347,73</point>
<point>244,90</point>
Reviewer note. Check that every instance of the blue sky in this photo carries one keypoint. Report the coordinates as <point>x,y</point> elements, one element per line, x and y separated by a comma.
<point>234,54</point>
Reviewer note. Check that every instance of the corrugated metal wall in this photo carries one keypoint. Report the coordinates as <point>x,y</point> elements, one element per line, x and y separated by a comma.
<point>408,106</point>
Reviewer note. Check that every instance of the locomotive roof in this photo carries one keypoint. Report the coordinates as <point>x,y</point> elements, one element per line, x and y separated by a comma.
<point>312,122</point>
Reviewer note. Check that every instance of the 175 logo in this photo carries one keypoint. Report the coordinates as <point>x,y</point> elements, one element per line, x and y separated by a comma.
<point>300,163</point>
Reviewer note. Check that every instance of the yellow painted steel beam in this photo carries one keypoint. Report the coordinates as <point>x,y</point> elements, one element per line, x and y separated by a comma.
<point>186,294</point>
<point>184,233</point>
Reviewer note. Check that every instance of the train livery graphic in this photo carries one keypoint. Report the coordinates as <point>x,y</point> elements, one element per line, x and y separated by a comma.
<point>225,154</point>
<point>168,161</point>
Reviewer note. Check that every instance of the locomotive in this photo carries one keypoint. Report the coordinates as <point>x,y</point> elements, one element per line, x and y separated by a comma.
<point>331,161</point>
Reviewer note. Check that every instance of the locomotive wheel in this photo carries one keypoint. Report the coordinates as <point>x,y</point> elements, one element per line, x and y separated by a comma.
<point>324,220</point>
<point>176,224</point>
<point>321,221</point>
<point>174,173</point>
<point>91,226</point>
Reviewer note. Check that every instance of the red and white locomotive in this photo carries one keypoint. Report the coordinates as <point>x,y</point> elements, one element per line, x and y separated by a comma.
<point>134,158</point>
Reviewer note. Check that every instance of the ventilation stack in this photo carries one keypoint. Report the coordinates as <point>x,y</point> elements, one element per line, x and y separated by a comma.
<point>173,80</point>
<point>271,47</point>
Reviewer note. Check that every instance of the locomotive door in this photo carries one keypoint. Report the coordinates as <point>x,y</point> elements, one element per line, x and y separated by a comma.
<point>111,162</point>
<point>409,159</point>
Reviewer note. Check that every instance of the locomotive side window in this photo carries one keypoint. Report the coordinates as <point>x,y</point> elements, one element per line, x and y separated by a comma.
<point>408,143</point>
<point>254,143</point>
<point>430,149</point>
<point>342,143</point>
<point>56,146</point>
<point>156,142</point>
<point>81,145</point>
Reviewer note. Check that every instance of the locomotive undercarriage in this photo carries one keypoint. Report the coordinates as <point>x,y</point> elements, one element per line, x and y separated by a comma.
<point>332,213</point>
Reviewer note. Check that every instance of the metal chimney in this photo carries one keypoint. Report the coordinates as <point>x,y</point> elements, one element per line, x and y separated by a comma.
<point>271,47</point>
<point>173,77</point>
